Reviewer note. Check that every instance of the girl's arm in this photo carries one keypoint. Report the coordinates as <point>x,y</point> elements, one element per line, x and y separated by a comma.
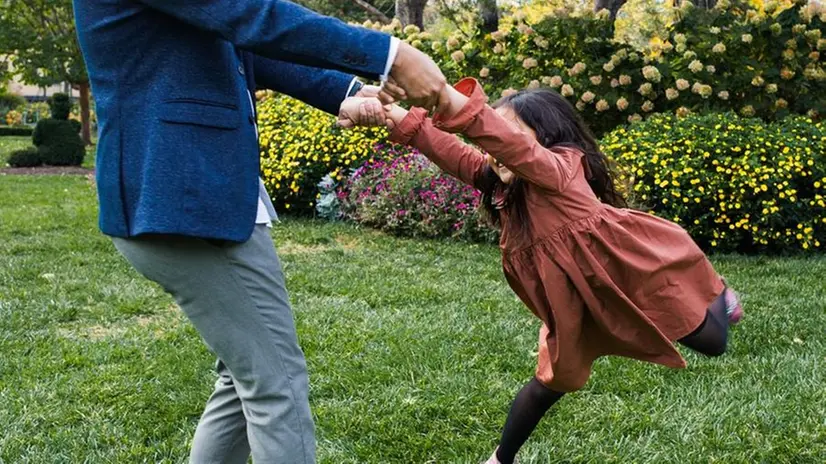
<point>467,112</point>
<point>452,155</point>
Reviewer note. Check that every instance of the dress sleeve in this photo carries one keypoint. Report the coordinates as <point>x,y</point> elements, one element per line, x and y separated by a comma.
<point>551,169</point>
<point>445,150</point>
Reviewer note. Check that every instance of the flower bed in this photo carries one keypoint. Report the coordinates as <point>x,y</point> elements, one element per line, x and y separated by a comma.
<point>736,184</point>
<point>410,196</point>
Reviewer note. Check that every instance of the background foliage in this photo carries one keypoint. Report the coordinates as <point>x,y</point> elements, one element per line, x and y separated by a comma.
<point>736,184</point>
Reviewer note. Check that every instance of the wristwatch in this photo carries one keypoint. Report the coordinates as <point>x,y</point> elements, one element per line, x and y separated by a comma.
<point>357,85</point>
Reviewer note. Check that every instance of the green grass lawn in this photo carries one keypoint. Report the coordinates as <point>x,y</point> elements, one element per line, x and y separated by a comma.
<point>415,350</point>
<point>10,144</point>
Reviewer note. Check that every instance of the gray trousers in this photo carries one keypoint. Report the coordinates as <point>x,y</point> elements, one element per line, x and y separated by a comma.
<point>234,294</point>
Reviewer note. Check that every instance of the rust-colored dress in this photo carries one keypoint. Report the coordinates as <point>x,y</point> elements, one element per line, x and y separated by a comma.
<point>604,280</point>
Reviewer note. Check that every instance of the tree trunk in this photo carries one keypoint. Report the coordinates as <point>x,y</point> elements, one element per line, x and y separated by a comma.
<point>411,12</point>
<point>489,14</point>
<point>86,131</point>
<point>613,7</point>
<point>373,11</point>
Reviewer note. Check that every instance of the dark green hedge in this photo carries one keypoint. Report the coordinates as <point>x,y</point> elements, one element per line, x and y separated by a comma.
<point>16,131</point>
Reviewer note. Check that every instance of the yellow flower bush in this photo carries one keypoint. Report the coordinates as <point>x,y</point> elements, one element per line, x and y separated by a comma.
<point>735,184</point>
<point>14,118</point>
<point>300,145</point>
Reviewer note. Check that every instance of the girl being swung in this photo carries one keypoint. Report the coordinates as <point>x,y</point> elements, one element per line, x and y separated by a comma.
<point>604,280</point>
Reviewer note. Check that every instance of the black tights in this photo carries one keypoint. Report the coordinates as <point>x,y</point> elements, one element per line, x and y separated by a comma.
<point>711,337</point>
<point>531,403</point>
<point>534,399</point>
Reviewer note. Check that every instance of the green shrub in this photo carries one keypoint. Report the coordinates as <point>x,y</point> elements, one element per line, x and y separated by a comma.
<point>730,58</point>
<point>735,184</point>
<point>39,110</point>
<point>10,101</point>
<point>60,105</point>
<point>59,143</point>
<point>25,158</point>
<point>15,131</point>
<point>76,125</point>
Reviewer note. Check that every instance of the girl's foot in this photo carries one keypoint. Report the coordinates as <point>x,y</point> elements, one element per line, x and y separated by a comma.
<point>734,309</point>
<point>494,460</point>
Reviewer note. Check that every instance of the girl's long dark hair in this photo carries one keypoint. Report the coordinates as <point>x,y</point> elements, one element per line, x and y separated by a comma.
<point>556,124</point>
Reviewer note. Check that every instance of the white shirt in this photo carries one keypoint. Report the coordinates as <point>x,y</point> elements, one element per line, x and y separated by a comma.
<point>263,216</point>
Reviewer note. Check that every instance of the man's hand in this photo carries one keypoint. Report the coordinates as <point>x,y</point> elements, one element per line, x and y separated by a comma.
<point>369,91</point>
<point>414,77</point>
<point>361,111</point>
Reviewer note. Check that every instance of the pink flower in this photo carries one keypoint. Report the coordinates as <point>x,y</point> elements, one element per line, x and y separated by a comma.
<point>646,89</point>
<point>577,69</point>
<point>529,63</point>
<point>651,73</point>
<point>508,92</point>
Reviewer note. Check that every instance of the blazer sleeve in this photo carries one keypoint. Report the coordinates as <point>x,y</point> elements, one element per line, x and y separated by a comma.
<point>549,168</point>
<point>322,88</point>
<point>453,156</point>
<point>282,30</point>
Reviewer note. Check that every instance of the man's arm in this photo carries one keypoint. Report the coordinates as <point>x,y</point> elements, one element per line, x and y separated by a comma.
<point>280,29</point>
<point>322,88</point>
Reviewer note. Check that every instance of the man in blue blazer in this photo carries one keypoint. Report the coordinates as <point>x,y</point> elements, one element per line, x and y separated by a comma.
<point>177,179</point>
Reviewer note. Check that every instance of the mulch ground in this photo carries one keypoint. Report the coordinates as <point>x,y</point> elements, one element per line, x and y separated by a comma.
<point>48,170</point>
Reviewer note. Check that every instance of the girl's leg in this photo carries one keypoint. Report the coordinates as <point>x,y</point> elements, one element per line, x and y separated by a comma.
<point>531,403</point>
<point>711,337</point>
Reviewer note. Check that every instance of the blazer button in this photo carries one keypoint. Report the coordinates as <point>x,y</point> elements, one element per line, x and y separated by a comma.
<point>241,70</point>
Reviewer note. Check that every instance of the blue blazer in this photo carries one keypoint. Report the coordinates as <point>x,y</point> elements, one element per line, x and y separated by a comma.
<point>177,150</point>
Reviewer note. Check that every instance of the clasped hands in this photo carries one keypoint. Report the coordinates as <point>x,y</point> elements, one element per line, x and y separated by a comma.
<point>414,78</point>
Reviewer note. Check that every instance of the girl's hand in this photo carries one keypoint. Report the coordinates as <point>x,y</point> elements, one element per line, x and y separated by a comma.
<point>394,115</point>
<point>451,101</point>
<point>361,111</point>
